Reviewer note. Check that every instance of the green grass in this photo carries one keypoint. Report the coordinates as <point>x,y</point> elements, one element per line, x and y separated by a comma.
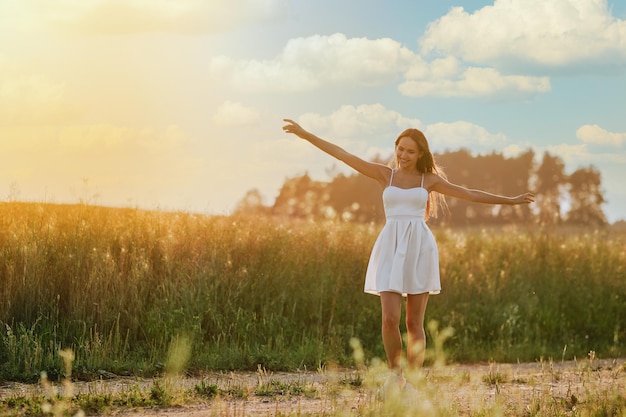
<point>120,287</point>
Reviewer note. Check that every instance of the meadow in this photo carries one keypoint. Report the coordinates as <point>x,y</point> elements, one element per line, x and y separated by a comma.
<point>123,288</point>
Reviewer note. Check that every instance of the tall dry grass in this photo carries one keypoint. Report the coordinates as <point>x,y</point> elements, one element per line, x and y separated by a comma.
<point>119,286</point>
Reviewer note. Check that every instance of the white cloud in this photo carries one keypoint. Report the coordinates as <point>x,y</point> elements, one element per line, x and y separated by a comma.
<point>309,63</point>
<point>462,134</point>
<point>230,114</point>
<point>515,149</point>
<point>139,16</point>
<point>595,135</point>
<point>582,155</point>
<point>541,33</point>
<point>366,121</point>
<point>370,130</point>
<point>27,98</point>
<point>473,82</point>
<point>440,68</point>
<point>572,155</point>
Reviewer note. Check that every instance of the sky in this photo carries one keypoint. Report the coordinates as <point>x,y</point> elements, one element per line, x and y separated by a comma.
<point>178,104</point>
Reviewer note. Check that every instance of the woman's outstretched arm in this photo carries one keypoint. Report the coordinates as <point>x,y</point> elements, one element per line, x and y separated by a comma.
<point>443,186</point>
<point>373,170</point>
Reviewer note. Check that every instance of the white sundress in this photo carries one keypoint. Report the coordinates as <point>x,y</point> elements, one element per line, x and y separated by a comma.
<point>404,258</point>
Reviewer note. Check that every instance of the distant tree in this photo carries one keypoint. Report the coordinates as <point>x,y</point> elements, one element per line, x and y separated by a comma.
<point>493,173</point>
<point>252,203</point>
<point>301,197</point>
<point>355,198</point>
<point>619,226</point>
<point>458,167</point>
<point>586,198</point>
<point>515,176</point>
<point>550,189</point>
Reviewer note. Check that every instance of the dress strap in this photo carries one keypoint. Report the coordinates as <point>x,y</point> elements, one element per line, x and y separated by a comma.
<point>422,180</point>
<point>391,178</point>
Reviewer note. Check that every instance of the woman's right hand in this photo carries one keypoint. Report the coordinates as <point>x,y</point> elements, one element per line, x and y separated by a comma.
<point>295,128</point>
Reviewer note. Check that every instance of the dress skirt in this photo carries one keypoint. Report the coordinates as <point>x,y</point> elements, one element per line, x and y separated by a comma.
<point>404,259</point>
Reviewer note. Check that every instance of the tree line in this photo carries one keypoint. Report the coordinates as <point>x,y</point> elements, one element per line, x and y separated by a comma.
<point>562,198</point>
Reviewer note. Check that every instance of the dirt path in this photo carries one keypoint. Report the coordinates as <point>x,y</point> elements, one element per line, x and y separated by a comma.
<point>452,389</point>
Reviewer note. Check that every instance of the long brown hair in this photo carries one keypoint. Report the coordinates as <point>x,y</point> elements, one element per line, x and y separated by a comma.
<point>426,164</point>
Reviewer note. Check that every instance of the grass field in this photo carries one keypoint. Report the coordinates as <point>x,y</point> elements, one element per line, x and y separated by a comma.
<point>123,288</point>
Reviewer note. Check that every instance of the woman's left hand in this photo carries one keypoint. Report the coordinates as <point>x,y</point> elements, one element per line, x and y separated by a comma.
<point>525,198</point>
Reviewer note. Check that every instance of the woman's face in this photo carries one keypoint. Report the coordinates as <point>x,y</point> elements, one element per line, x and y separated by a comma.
<point>407,153</point>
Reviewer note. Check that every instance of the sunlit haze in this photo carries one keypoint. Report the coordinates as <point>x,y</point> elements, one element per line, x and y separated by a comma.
<point>178,104</point>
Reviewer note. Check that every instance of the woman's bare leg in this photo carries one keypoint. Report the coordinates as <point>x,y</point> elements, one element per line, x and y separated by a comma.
<point>415,311</point>
<point>391,303</point>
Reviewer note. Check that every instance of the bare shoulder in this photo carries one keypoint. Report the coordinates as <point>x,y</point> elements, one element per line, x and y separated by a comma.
<point>384,174</point>
<point>432,181</point>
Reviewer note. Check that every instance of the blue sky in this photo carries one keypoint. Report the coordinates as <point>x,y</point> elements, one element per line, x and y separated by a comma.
<point>178,105</point>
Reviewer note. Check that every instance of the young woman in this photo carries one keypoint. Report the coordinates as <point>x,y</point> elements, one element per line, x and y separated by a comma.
<point>404,261</point>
